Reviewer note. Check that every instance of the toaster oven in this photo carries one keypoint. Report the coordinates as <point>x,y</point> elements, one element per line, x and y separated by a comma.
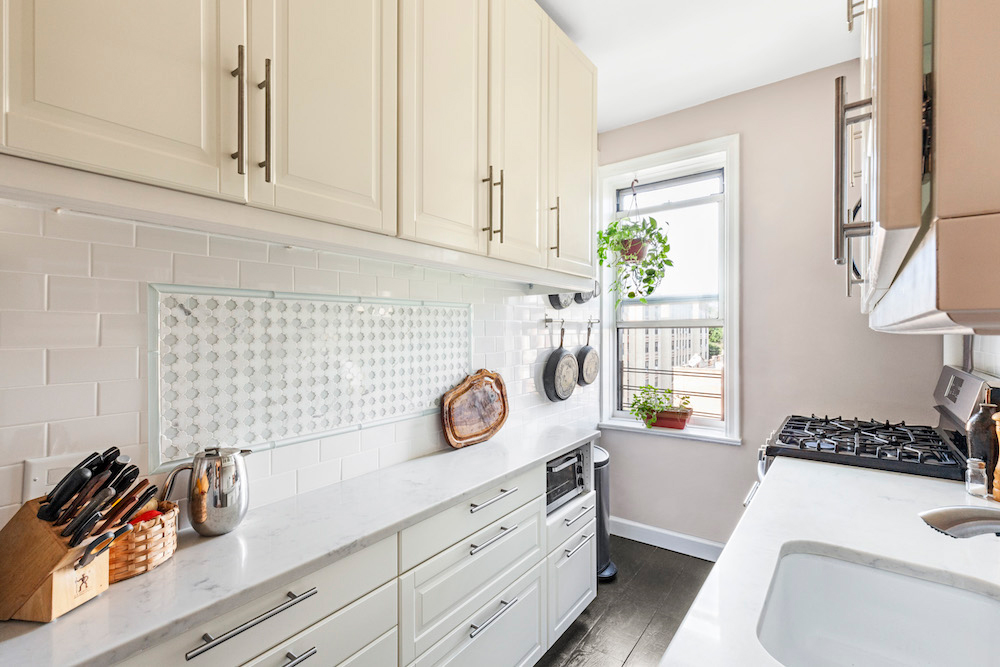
<point>564,479</point>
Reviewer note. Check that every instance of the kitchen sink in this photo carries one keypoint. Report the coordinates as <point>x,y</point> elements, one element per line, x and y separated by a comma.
<point>831,606</point>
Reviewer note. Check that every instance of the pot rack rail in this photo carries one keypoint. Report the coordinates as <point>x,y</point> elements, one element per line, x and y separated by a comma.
<point>590,321</point>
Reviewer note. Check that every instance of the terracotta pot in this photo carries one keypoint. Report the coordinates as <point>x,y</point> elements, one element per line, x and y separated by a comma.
<point>634,250</point>
<point>674,418</point>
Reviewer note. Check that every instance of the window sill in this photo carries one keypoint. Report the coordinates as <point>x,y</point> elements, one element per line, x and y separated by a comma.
<point>700,433</point>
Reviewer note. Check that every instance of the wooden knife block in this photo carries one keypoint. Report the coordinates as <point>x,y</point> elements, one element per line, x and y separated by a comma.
<point>37,579</point>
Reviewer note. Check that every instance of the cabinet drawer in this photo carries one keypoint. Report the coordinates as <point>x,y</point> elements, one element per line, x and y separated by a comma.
<point>380,653</point>
<point>338,637</point>
<point>336,586</point>
<point>572,579</point>
<point>568,519</point>
<point>434,535</point>
<point>446,589</point>
<point>509,630</point>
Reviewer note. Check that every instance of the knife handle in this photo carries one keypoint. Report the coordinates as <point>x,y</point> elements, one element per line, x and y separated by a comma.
<point>123,481</point>
<point>62,483</point>
<point>121,507</point>
<point>95,505</point>
<point>74,482</point>
<point>101,544</point>
<point>86,493</point>
<point>116,468</point>
<point>143,499</point>
<point>84,530</point>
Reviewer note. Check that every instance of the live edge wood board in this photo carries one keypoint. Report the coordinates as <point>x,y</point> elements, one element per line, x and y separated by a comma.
<point>474,410</point>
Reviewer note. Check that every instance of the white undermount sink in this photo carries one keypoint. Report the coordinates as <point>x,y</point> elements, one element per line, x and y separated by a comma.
<point>825,610</point>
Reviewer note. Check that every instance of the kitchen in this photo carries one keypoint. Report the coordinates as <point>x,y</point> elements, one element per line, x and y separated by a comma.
<point>439,365</point>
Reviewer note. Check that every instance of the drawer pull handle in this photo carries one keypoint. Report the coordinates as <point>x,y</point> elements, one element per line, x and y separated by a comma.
<point>473,507</point>
<point>211,642</point>
<point>503,531</point>
<point>585,512</point>
<point>504,608</point>
<point>586,538</point>
<point>298,660</point>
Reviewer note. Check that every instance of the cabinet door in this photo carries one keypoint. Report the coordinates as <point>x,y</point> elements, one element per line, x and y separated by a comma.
<point>139,90</point>
<point>572,155</point>
<point>443,122</point>
<point>519,35</point>
<point>572,579</point>
<point>330,150</point>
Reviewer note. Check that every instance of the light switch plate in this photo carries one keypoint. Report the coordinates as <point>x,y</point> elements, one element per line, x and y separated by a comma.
<point>41,475</point>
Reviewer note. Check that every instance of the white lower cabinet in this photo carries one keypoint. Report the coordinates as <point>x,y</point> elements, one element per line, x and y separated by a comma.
<point>355,635</point>
<point>508,631</point>
<point>572,579</point>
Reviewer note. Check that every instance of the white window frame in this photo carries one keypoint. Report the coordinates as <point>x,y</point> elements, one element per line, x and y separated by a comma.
<point>704,156</point>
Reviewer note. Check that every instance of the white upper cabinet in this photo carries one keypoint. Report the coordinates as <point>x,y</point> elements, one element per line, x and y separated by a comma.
<point>519,42</point>
<point>141,90</point>
<point>322,119</point>
<point>572,155</point>
<point>443,81</point>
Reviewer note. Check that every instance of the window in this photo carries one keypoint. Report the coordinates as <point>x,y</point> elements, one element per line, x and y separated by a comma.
<point>685,337</point>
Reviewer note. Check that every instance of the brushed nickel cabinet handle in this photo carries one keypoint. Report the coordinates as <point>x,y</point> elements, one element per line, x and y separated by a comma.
<point>474,549</point>
<point>501,205</point>
<point>586,538</point>
<point>299,659</point>
<point>211,642</point>
<point>558,211</point>
<point>504,608</point>
<point>266,86</point>
<point>489,202</point>
<point>851,14</point>
<point>473,507</point>
<point>583,513</point>
<point>240,74</point>
<point>843,230</point>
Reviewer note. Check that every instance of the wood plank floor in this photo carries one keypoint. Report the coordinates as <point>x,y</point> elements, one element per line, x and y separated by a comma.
<point>634,617</point>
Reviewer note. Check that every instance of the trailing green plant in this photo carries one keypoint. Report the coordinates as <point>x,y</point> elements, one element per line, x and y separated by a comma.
<point>621,247</point>
<point>650,401</point>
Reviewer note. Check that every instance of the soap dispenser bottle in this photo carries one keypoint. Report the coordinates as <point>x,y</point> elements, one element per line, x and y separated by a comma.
<point>982,436</point>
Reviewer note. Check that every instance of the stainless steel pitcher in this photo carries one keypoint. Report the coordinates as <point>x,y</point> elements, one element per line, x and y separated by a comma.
<point>218,492</point>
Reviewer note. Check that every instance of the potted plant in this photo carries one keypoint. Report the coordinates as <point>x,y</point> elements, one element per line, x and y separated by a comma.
<point>661,407</point>
<point>637,252</point>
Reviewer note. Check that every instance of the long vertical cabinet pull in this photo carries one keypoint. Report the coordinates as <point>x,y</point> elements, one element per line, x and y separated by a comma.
<point>489,202</point>
<point>501,205</point>
<point>265,85</point>
<point>843,230</point>
<point>558,211</point>
<point>240,74</point>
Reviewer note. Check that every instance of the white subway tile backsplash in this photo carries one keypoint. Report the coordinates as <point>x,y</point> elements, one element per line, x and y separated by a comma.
<point>22,291</point>
<point>318,476</point>
<point>357,284</point>
<point>32,405</point>
<point>273,277</point>
<point>335,262</point>
<point>90,433</point>
<point>93,295</point>
<point>376,267</point>
<point>224,246</point>
<point>392,288</point>
<point>10,484</point>
<point>293,457</point>
<point>208,271</point>
<point>399,452</point>
<point>36,254</point>
<point>339,446</point>
<point>408,272</point>
<point>437,275</point>
<point>269,490</point>
<point>22,368</point>
<point>68,225</point>
<point>258,465</point>
<point>84,365</point>
<point>123,330</point>
<point>448,292</point>
<point>118,396</point>
<point>283,254</point>
<point>172,240</point>
<point>132,263</point>
<point>18,443</point>
<point>46,329</point>
<point>20,220</point>
<point>359,464</point>
<point>423,290</point>
<point>377,436</point>
<point>316,281</point>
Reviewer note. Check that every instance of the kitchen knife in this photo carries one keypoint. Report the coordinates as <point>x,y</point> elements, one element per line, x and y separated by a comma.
<point>123,505</point>
<point>81,464</point>
<point>97,502</point>
<point>86,493</point>
<point>123,481</point>
<point>101,544</point>
<point>116,467</point>
<point>143,499</point>
<point>74,482</point>
<point>84,530</point>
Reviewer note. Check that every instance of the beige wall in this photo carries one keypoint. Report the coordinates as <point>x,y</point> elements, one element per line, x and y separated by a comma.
<point>805,346</point>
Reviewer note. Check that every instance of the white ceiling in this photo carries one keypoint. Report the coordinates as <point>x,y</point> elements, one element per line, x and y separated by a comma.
<point>658,56</point>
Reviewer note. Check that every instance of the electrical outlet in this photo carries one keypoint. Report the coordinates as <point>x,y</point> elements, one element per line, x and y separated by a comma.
<point>40,475</point>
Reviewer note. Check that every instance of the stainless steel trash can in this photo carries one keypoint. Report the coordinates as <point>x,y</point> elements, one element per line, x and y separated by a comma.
<point>606,569</point>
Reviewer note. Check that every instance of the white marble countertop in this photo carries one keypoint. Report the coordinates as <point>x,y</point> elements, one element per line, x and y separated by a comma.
<point>852,508</point>
<point>274,545</point>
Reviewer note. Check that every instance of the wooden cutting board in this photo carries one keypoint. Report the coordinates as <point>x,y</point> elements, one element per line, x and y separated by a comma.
<point>474,410</point>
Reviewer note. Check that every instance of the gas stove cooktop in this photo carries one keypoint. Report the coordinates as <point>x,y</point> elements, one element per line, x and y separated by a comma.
<point>896,447</point>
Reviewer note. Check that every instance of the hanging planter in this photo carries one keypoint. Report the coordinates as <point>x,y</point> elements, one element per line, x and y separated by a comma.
<point>636,250</point>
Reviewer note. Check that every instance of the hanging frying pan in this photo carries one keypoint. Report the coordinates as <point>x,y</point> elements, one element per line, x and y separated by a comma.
<point>561,372</point>
<point>584,297</point>
<point>560,301</point>
<point>589,362</point>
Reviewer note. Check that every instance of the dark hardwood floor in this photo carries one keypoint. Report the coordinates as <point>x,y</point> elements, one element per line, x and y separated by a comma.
<point>635,616</point>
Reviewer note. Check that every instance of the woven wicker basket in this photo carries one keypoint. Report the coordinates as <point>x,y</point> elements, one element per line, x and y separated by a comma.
<point>149,544</point>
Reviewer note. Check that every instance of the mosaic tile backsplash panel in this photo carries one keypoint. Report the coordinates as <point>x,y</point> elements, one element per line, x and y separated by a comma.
<point>241,370</point>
